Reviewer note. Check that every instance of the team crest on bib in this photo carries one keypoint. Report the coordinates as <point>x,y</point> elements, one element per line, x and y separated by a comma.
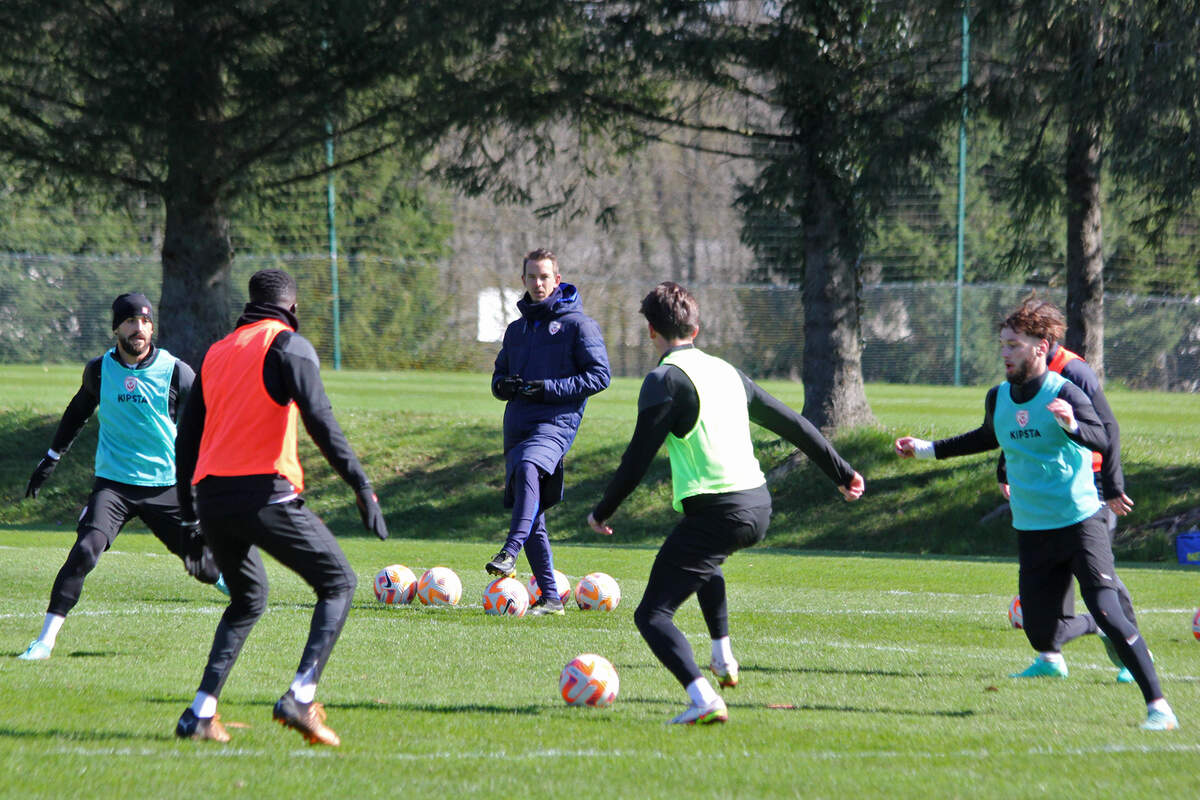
<point>130,383</point>
<point>554,327</point>
<point>1022,418</point>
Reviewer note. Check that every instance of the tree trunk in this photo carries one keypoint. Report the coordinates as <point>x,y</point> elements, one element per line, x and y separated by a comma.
<point>197,254</point>
<point>834,396</point>
<point>1085,254</point>
<point>197,258</point>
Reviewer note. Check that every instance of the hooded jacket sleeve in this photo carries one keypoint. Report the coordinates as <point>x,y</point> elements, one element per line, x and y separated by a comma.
<point>591,362</point>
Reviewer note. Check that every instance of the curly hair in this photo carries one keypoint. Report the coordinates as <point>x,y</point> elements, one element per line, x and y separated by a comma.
<point>671,310</point>
<point>1037,317</point>
<point>272,286</point>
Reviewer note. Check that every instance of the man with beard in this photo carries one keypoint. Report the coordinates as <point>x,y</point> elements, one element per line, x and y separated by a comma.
<point>140,390</point>
<point>1110,486</point>
<point>552,360</point>
<point>1047,429</point>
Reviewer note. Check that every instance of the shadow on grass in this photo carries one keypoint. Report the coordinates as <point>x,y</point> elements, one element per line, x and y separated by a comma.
<point>74,735</point>
<point>902,712</point>
<point>862,673</point>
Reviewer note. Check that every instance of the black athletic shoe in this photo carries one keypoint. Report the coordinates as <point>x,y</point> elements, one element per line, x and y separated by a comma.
<point>544,607</point>
<point>503,564</point>
<point>192,727</point>
<point>307,718</point>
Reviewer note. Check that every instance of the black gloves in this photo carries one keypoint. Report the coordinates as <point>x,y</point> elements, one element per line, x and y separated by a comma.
<point>506,388</point>
<point>43,470</point>
<point>371,513</point>
<point>534,390</point>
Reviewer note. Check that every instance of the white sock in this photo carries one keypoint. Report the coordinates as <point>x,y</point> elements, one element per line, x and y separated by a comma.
<point>1053,658</point>
<point>303,687</point>
<point>204,706</point>
<point>722,651</point>
<point>50,629</point>
<point>1159,705</point>
<point>701,692</point>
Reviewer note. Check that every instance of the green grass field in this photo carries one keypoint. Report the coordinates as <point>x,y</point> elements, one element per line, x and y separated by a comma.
<point>861,677</point>
<point>864,673</point>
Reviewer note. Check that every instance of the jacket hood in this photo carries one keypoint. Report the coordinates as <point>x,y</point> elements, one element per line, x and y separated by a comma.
<point>561,301</point>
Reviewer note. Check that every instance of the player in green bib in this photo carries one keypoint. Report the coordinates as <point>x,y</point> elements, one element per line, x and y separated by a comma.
<point>1047,428</point>
<point>137,390</point>
<point>702,407</point>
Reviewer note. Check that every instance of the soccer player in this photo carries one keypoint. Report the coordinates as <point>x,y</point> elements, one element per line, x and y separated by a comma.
<point>552,359</point>
<point>139,390</point>
<point>1110,486</point>
<point>1047,429</point>
<point>701,407</point>
<point>237,448</point>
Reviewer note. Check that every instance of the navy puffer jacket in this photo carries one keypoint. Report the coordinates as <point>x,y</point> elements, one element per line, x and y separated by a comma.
<point>554,342</point>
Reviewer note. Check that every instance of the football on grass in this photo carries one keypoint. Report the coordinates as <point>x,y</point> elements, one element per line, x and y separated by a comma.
<point>597,591</point>
<point>589,680</point>
<point>395,585</point>
<point>1196,625</point>
<point>439,586</point>
<point>561,581</point>
<point>505,597</point>
<point>1014,613</point>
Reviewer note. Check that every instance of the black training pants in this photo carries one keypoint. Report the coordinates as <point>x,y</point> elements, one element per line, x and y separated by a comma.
<point>296,538</point>
<point>689,562</point>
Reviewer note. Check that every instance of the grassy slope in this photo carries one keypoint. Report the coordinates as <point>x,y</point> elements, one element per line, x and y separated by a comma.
<point>431,442</point>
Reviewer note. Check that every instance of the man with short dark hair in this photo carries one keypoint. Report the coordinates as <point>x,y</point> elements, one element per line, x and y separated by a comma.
<point>1047,428</point>
<point>552,360</point>
<point>139,390</point>
<point>701,407</point>
<point>237,447</point>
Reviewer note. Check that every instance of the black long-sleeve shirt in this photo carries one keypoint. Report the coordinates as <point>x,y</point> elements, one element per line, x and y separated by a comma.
<point>1090,434</point>
<point>291,371</point>
<point>87,398</point>
<point>668,403</point>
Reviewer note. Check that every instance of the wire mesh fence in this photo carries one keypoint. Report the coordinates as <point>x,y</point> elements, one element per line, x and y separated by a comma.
<point>434,315</point>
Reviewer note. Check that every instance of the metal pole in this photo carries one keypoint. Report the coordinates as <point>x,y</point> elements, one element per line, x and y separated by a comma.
<point>330,199</point>
<point>962,195</point>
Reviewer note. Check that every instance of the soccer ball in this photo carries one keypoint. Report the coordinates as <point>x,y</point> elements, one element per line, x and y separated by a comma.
<point>395,585</point>
<point>597,590</point>
<point>1014,613</point>
<point>1196,625</point>
<point>589,680</point>
<point>439,586</point>
<point>505,597</point>
<point>561,582</point>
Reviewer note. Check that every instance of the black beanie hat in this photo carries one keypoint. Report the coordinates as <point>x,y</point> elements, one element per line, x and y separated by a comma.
<point>131,304</point>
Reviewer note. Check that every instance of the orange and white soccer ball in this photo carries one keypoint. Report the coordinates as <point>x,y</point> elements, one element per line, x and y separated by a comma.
<point>395,585</point>
<point>589,680</point>
<point>505,597</point>
<point>1196,625</point>
<point>597,591</point>
<point>439,586</point>
<point>1015,618</point>
<point>561,582</point>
